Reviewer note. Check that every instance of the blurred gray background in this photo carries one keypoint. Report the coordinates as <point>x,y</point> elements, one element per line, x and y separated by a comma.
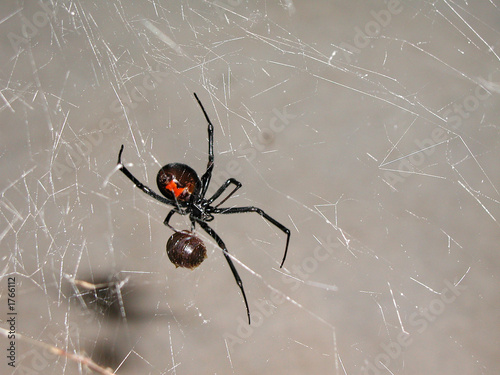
<point>368,128</point>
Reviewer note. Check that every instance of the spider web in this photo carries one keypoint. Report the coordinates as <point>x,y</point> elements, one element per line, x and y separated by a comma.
<point>370,129</point>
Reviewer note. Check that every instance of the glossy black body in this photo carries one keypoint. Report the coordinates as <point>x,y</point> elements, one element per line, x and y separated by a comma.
<point>182,189</point>
<point>186,250</point>
<point>185,179</point>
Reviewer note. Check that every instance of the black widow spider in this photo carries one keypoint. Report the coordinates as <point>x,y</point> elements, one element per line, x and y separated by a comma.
<point>183,189</point>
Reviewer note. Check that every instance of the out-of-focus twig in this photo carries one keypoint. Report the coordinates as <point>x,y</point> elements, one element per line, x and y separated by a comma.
<point>83,360</point>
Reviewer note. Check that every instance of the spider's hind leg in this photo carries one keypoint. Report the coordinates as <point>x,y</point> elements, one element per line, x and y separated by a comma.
<point>167,219</point>
<point>221,244</point>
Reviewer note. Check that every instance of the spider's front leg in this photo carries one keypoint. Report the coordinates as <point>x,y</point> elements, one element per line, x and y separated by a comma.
<point>223,188</point>
<point>138,183</point>
<point>205,179</point>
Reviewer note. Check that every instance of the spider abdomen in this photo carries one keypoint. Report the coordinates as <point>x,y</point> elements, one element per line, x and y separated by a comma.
<point>178,181</point>
<point>186,250</point>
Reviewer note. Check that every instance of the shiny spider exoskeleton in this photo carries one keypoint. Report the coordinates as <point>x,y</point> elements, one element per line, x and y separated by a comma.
<point>185,191</point>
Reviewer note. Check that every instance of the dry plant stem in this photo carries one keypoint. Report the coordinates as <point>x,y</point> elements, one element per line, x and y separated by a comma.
<point>83,360</point>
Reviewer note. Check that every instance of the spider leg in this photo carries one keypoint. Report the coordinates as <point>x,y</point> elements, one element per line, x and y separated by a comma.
<point>205,179</point>
<point>221,190</point>
<point>221,244</point>
<point>178,207</point>
<point>169,216</point>
<point>239,210</point>
<point>139,184</point>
